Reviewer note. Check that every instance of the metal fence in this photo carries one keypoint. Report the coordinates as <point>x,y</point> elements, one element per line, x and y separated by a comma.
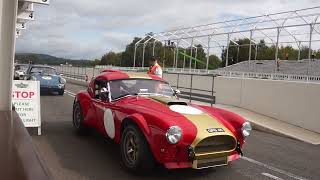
<point>197,87</point>
<point>83,72</point>
<point>194,87</point>
<point>271,76</point>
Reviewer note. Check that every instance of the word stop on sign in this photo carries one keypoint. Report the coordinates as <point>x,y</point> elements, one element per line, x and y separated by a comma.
<point>22,94</point>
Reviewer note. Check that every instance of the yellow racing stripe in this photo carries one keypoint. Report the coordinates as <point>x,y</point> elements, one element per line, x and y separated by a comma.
<point>136,75</point>
<point>203,122</point>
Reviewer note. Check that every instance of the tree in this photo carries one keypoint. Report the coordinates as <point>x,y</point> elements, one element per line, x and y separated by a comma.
<point>214,62</point>
<point>304,52</point>
<point>111,58</point>
<point>128,54</point>
<point>238,52</point>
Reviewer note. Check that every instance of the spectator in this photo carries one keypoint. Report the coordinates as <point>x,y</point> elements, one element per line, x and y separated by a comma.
<point>278,64</point>
<point>313,55</point>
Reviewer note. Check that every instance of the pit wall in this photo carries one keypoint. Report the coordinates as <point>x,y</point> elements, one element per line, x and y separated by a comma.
<point>297,103</point>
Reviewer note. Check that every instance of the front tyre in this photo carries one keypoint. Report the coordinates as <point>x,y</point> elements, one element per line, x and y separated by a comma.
<point>77,119</point>
<point>61,92</point>
<point>135,151</point>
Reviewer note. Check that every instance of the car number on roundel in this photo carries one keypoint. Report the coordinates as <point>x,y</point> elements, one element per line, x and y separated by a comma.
<point>46,77</point>
<point>214,130</point>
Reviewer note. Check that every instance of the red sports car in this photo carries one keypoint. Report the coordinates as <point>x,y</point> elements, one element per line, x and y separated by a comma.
<point>143,114</point>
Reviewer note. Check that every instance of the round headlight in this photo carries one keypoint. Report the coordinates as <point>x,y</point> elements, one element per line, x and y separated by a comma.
<point>174,134</point>
<point>63,81</point>
<point>246,129</point>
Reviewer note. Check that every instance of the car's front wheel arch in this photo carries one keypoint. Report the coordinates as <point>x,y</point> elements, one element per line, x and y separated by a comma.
<point>139,121</point>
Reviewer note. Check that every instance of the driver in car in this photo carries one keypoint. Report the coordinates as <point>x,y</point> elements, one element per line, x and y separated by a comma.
<point>96,91</point>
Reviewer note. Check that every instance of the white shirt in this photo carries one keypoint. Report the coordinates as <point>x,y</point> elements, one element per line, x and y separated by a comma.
<point>158,72</point>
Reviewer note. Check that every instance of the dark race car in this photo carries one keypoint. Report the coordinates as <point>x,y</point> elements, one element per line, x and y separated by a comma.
<point>50,80</point>
<point>142,113</point>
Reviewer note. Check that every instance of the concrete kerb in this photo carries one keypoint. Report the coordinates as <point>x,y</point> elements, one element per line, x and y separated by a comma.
<point>255,126</point>
<point>268,130</point>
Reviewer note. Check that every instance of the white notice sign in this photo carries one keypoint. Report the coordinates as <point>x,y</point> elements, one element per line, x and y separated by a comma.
<point>26,100</point>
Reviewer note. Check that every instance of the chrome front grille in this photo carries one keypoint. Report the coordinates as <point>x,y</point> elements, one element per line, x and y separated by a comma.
<point>215,144</point>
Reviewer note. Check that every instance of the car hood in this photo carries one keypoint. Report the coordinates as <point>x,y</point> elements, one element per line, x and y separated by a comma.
<point>185,115</point>
<point>47,79</point>
<point>159,104</point>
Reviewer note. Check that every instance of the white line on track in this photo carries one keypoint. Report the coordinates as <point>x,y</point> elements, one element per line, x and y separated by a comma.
<point>70,93</point>
<point>271,176</point>
<point>274,169</point>
<point>249,160</point>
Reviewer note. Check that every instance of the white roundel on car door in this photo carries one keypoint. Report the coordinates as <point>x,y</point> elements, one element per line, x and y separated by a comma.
<point>108,121</point>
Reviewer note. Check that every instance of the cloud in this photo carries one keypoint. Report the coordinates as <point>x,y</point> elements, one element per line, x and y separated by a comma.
<point>85,29</point>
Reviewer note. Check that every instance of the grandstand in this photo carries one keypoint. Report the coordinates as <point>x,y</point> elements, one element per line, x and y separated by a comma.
<point>301,67</point>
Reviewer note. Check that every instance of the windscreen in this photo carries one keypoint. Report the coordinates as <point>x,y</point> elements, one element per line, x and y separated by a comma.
<point>21,67</point>
<point>120,88</point>
<point>43,70</point>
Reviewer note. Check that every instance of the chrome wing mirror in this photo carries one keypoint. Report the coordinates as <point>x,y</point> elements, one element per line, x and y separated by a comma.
<point>176,92</point>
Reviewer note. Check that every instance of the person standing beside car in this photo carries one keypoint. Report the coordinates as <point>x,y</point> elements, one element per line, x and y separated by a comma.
<point>278,64</point>
<point>155,68</point>
<point>313,55</point>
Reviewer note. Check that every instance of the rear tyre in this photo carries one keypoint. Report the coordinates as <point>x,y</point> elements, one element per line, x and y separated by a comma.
<point>78,119</point>
<point>135,151</point>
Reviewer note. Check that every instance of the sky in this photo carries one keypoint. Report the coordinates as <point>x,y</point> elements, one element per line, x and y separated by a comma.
<point>87,29</point>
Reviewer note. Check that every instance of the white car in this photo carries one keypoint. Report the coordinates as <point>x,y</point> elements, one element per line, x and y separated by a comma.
<point>20,71</point>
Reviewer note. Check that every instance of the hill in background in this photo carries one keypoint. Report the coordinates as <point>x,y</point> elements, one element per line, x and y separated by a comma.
<point>49,60</point>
